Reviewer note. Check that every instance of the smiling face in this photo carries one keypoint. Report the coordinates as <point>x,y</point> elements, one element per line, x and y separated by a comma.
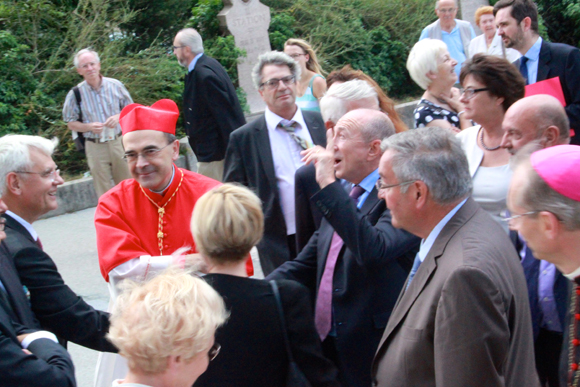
<point>89,68</point>
<point>445,69</point>
<point>518,129</point>
<point>511,32</point>
<point>38,190</point>
<point>281,99</point>
<point>153,173</point>
<point>487,24</point>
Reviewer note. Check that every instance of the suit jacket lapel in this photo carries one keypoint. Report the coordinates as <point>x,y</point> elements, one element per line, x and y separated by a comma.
<point>13,224</point>
<point>543,62</point>
<point>264,150</point>
<point>407,297</point>
<point>317,132</point>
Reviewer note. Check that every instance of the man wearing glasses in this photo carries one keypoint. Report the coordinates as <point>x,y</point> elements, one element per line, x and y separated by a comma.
<point>141,222</point>
<point>457,34</point>
<point>94,114</point>
<point>544,201</point>
<point>211,110</point>
<point>29,179</point>
<point>265,154</point>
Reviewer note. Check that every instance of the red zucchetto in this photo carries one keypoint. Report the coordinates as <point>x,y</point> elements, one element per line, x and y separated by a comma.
<point>161,116</point>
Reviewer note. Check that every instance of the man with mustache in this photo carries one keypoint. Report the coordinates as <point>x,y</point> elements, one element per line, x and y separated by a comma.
<point>50,365</point>
<point>541,119</point>
<point>144,220</point>
<point>517,23</point>
<point>265,154</point>
<point>211,110</point>
<point>94,114</point>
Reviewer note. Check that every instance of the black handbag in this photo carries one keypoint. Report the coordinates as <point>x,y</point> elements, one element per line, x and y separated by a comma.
<point>80,140</point>
<point>296,377</point>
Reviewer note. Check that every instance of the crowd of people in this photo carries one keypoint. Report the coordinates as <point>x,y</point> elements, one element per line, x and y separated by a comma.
<point>447,254</point>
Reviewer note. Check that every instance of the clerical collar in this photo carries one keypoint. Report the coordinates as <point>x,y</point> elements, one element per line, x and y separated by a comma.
<point>572,276</point>
<point>168,184</point>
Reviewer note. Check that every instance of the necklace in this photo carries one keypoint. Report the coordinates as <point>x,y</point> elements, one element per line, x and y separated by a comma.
<point>483,144</point>
<point>161,212</point>
<point>574,342</point>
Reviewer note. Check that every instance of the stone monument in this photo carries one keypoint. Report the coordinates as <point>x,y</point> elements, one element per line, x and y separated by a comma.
<point>248,22</point>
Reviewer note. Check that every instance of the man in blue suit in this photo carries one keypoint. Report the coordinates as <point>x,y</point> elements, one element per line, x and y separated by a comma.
<point>357,262</point>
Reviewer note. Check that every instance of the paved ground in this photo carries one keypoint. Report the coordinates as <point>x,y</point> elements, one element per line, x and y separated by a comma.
<point>71,241</point>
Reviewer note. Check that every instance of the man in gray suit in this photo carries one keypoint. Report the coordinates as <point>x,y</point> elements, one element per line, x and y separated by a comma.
<point>462,317</point>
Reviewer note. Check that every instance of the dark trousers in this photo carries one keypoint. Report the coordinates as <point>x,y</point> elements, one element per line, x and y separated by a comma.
<point>548,347</point>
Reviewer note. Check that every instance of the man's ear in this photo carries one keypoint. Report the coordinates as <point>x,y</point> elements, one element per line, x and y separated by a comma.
<point>551,136</point>
<point>13,183</point>
<point>550,225</point>
<point>421,192</point>
<point>527,23</point>
<point>375,149</point>
<point>175,148</point>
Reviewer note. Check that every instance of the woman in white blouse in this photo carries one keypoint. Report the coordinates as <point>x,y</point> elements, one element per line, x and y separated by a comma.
<point>489,42</point>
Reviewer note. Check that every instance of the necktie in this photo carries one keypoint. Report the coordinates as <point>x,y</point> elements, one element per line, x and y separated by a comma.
<point>290,128</point>
<point>323,311</point>
<point>524,68</point>
<point>414,269</point>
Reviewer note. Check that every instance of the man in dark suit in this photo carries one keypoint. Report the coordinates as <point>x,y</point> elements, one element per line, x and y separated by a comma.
<point>29,181</point>
<point>339,99</point>
<point>211,109</point>
<point>356,262</point>
<point>517,22</point>
<point>264,154</point>
<point>541,119</point>
<point>28,357</point>
<point>463,316</point>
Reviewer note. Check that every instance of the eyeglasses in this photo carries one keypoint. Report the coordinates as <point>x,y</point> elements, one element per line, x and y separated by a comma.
<point>214,351</point>
<point>507,217</point>
<point>147,154</point>
<point>92,64</point>
<point>294,56</point>
<point>470,92</point>
<point>381,186</point>
<point>52,175</point>
<point>177,47</point>
<point>447,10</point>
<point>275,82</point>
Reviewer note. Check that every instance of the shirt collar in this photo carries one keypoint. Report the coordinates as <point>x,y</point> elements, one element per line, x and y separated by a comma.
<point>24,224</point>
<point>368,183</point>
<point>427,243</point>
<point>572,276</point>
<point>273,119</point>
<point>193,62</point>
<point>533,53</point>
<point>168,185</point>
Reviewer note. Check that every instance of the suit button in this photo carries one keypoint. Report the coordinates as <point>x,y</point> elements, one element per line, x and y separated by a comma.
<point>336,290</point>
<point>339,323</point>
<point>188,123</point>
<point>190,109</point>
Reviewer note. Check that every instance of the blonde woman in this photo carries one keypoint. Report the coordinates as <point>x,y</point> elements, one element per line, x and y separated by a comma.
<point>165,329</point>
<point>311,86</point>
<point>226,223</point>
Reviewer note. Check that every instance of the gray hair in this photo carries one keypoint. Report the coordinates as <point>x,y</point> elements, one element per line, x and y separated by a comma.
<point>434,156</point>
<point>15,153</point>
<point>276,58</point>
<point>335,103</point>
<point>85,51</point>
<point>191,38</point>
<point>539,196</point>
<point>378,126</point>
<point>423,59</point>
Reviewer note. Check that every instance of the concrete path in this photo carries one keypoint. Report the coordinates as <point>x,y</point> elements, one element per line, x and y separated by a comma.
<point>70,240</point>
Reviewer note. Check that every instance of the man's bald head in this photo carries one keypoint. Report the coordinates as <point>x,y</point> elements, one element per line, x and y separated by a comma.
<point>540,118</point>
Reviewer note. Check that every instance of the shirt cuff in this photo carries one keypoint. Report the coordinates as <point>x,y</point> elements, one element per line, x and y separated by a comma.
<point>38,335</point>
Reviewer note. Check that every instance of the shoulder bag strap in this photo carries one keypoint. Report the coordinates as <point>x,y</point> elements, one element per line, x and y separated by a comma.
<point>282,319</point>
<point>78,98</point>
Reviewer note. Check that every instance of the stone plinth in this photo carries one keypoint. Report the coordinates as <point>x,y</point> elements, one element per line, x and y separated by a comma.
<point>248,21</point>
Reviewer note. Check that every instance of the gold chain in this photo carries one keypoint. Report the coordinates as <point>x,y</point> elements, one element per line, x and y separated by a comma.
<point>574,374</point>
<point>161,212</point>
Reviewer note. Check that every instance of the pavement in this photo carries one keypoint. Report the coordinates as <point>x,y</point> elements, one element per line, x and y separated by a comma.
<point>71,241</point>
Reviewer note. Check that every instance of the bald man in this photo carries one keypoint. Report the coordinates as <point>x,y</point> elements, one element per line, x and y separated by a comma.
<point>541,119</point>
<point>357,262</point>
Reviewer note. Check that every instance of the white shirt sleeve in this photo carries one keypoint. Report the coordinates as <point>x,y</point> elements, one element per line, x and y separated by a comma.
<point>37,335</point>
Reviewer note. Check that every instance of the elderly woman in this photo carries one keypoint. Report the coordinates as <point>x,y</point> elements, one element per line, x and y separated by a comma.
<point>489,42</point>
<point>165,329</point>
<point>311,85</point>
<point>226,223</point>
<point>490,86</point>
<point>433,69</point>
<point>386,104</point>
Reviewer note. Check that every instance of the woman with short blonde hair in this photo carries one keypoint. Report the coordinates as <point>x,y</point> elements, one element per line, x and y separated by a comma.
<point>227,222</point>
<point>165,329</point>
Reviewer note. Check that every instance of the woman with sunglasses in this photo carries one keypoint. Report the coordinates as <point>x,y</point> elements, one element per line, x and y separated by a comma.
<point>490,86</point>
<point>226,223</point>
<point>165,329</point>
